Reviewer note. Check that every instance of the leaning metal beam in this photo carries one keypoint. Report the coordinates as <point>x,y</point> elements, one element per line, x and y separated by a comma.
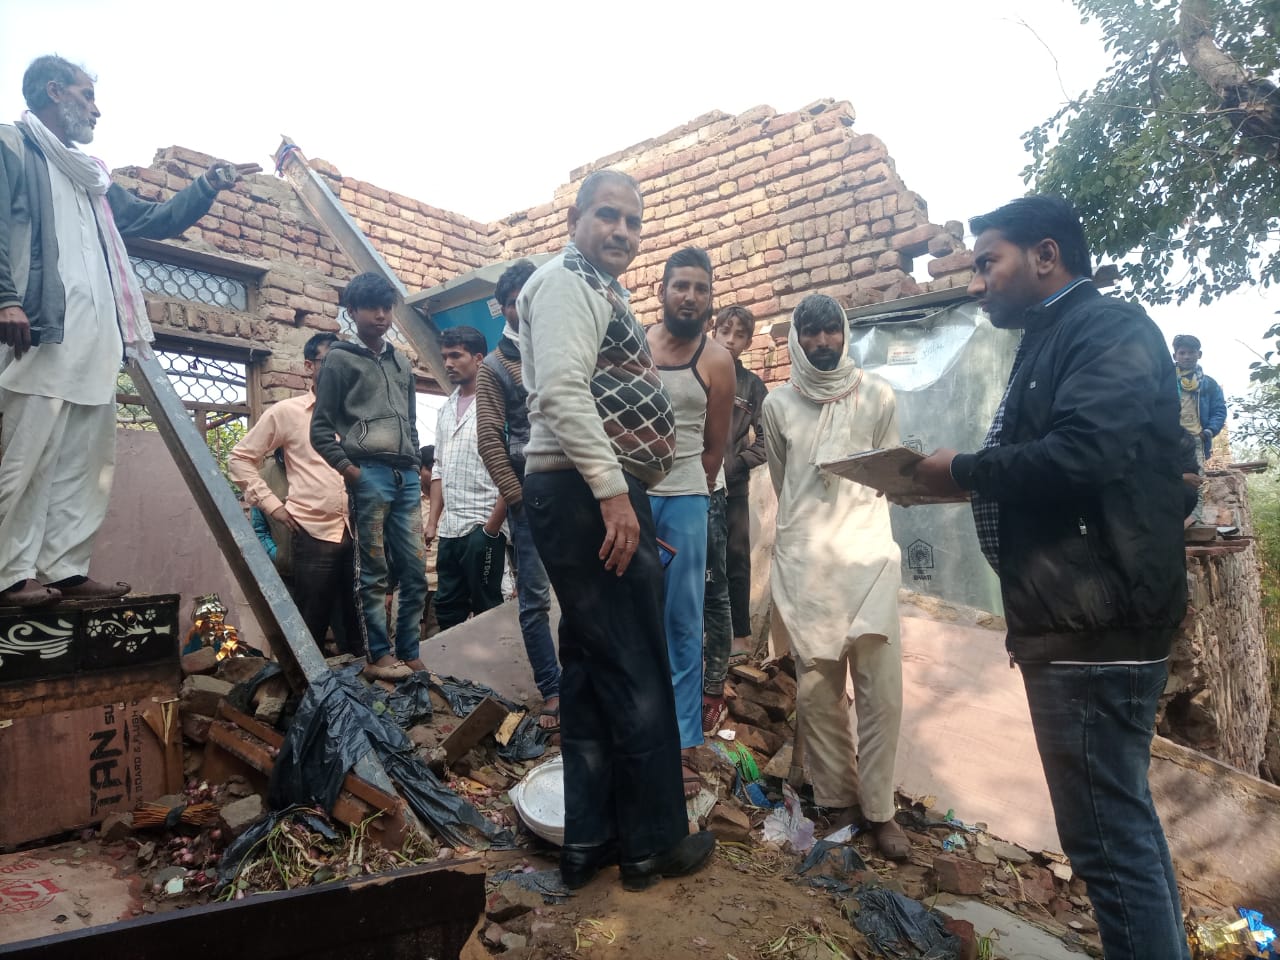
<point>256,575</point>
<point>351,240</point>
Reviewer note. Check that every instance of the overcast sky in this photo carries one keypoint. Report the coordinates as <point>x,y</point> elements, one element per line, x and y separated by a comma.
<point>484,108</point>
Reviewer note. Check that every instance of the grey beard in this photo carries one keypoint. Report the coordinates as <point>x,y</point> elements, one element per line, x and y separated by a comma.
<point>76,124</point>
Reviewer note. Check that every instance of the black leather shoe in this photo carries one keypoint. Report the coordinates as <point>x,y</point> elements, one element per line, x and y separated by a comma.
<point>690,854</point>
<point>579,862</point>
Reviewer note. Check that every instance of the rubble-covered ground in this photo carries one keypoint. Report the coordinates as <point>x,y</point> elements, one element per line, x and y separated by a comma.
<point>751,901</point>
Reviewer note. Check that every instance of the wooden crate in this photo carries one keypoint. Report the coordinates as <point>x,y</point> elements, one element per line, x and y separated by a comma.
<point>78,682</point>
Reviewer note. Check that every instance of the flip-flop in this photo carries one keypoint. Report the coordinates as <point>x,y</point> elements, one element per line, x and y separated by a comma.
<point>555,715</point>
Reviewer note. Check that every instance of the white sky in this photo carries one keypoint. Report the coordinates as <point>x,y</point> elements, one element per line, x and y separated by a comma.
<point>484,107</point>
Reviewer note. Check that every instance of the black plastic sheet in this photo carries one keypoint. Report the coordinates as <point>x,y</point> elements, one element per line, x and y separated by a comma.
<point>898,926</point>
<point>527,743</point>
<point>241,695</point>
<point>408,704</point>
<point>465,695</point>
<point>333,728</point>
<point>549,883</point>
<point>847,859</point>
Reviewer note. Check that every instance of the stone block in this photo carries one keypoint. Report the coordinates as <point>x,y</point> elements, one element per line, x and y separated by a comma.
<point>748,712</point>
<point>729,823</point>
<point>201,694</point>
<point>236,817</point>
<point>1010,851</point>
<point>239,669</point>
<point>959,875</point>
<point>115,827</point>
<point>764,742</point>
<point>195,726</point>
<point>204,660</point>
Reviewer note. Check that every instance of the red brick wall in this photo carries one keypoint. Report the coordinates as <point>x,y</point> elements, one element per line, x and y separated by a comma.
<point>785,204</point>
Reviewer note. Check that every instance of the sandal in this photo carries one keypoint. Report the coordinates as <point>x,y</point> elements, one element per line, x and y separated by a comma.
<point>87,589</point>
<point>692,780</point>
<point>29,593</point>
<point>554,714</point>
<point>391,671</point>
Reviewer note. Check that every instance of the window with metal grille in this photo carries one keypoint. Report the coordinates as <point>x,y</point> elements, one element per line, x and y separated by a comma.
<point>188,283</point>
<point>215,391</point>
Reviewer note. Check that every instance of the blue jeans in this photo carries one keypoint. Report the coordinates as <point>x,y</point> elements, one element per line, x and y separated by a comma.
<point>533,590</point>
<point>717,619</point>
<point>682,522</point>
<point>1093,727</point>
<point>386,515</point>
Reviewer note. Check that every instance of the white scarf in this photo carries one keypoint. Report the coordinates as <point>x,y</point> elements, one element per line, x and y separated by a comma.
<point>90,174</point>
<point>827,388</point>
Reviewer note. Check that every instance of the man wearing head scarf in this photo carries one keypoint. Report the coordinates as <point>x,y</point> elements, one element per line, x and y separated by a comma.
<point>70,307</point>
<point>836,569</point>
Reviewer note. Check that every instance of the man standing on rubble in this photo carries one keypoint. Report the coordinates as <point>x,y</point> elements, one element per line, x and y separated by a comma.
<point>698,375</point>
<point>836,570</point>
<point>601,432</point>
<point>466,509</point>
<point>315,511</point>
<point>502,432</point>
<point>70,307</point>
<point>1078,505</point>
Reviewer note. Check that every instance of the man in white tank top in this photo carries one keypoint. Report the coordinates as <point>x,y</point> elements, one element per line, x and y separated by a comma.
<point>699,376</point>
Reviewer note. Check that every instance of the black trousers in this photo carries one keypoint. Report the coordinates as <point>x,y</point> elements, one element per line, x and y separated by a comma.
<point>468,575</point>
<point>324,586</point>
<point>738,564</point>
<point>618,729</point>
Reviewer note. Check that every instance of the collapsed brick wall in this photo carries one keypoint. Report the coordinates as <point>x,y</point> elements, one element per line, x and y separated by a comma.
<point>1218,699</point>
<point>262,226</point>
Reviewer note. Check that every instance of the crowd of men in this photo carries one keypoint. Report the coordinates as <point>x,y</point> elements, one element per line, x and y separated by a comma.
<point>615,460</point>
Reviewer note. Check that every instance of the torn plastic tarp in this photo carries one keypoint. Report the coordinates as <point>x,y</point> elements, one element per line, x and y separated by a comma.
<point>234,856</point>
<point>527,743</point>
<point>333,728</point>
<point>465,695</point>
<point>241,695</point>
<point>549,883</point>
<point>408,704</point>
<point>788,825</point>
<point>847,857</point>
<point>898,926</point>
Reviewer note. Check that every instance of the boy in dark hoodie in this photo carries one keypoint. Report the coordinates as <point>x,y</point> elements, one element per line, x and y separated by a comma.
<point>364,425</point>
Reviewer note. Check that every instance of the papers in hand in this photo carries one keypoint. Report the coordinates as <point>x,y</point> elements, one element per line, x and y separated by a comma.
<point>889,471</point>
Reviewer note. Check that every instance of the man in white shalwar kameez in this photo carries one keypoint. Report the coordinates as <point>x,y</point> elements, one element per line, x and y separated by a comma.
<point>836,569</point>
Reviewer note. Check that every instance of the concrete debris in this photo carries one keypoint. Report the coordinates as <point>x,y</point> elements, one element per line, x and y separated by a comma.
<point>116,827</point>
<point>958,875</point>
<point>729,823</point>
<point>1011,852</point>
<point>201,694</point>
<point>204,660</point>
<point>239,815</point>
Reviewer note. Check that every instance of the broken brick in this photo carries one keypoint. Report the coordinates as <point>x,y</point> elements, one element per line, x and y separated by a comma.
<point>959,875</point>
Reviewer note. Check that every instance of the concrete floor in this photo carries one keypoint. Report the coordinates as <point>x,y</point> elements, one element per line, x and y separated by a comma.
<point>1013,938</point>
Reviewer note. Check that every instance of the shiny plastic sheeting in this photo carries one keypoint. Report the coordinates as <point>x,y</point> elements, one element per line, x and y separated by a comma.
<point>948,367</point>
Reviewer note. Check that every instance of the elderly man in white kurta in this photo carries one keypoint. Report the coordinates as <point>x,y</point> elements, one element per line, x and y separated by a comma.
<point>69,307</point>
<point>836,569</point>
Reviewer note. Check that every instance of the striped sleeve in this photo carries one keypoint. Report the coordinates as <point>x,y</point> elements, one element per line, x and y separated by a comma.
<point>491,434</point>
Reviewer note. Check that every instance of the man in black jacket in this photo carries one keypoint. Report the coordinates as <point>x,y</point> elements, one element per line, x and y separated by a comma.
<point>1078,505</point>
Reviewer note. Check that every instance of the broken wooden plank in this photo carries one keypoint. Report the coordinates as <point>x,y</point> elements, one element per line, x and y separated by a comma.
<point>356,802</point>
<point>162,718</point>
<point>478,724</point>
<point>744,671</point>
<point>62,694</point>
<point>416,912</point>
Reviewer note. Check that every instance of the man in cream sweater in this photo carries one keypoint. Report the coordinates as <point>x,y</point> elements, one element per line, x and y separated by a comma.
<point>602,432</point>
